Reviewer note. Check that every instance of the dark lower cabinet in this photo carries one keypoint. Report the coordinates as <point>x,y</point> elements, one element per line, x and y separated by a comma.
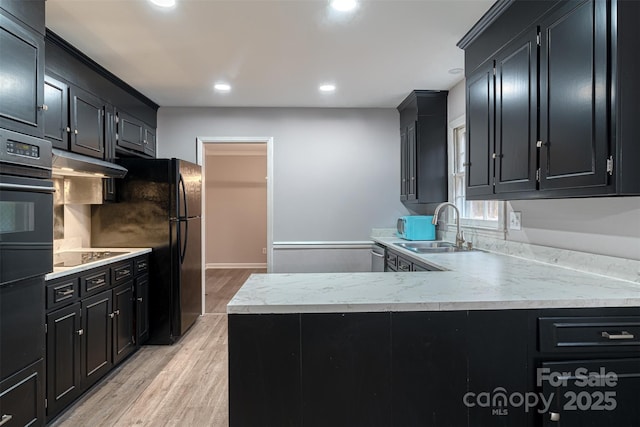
<point>345,369</point>
<point>97,315</point>
<point>497,347</point>
<point>607,402</point>
<point>21,397</point>
<point>428,369</point>
<point>142,309</point>
<point>64,337</point>
<point>124,342</point>
<point>264,371</point>
<point>95,319</point>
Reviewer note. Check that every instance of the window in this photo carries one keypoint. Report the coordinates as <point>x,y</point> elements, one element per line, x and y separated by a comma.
<point>479,214</point>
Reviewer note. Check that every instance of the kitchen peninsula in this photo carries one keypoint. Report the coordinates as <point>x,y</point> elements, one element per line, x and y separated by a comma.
<point>404,349</point>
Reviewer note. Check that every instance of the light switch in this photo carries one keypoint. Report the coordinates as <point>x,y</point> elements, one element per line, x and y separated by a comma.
<point>515,220</point>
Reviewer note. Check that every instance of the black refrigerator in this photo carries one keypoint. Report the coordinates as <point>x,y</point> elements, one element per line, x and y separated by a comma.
<point>159,206</point>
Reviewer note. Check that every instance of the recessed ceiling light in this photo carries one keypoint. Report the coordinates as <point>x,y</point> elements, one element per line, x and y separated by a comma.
<point>222,87</point>
<point>344,5</point>
<point>164,3</point>
<point>327,88</point>
<point>456,71</point>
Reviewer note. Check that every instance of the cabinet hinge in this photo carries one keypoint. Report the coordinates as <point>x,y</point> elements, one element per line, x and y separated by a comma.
<point>610,165</point>
<point>538,174</point>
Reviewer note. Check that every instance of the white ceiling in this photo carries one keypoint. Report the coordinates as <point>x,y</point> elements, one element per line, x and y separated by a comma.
<point>274,53</point>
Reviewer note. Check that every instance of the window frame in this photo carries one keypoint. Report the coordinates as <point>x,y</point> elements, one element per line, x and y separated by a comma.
<point>488,228</point>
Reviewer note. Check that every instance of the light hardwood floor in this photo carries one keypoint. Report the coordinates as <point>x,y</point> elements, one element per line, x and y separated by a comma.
<point>180,385</point>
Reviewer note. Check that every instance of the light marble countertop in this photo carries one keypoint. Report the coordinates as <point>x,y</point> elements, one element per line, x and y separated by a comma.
<point>64,271</point>
<point>474,280</point>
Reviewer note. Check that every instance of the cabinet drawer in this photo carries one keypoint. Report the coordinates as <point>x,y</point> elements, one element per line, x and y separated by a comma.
<point>62,292</point>
<point>140,266</point>
<point>121,272</point>
<point>94,282</point>
<point>589,334</point>
<point>403,264</point>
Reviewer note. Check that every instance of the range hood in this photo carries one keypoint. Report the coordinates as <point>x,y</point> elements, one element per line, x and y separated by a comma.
<point>71,164</point>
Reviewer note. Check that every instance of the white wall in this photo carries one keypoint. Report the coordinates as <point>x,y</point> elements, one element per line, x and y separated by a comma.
<point>336,171</point>
<point>606,226</point>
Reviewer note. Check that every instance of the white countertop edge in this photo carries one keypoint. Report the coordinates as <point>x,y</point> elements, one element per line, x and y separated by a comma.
<point>65,271</point>
<point>431,306</point>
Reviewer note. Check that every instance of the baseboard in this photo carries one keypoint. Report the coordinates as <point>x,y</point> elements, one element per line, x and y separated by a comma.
<point>217,265</point>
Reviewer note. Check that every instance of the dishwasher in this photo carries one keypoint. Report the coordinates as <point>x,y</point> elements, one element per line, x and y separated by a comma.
<point>377,258</point>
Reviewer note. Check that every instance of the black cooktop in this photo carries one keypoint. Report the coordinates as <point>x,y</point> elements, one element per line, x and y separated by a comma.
<point>73,259</point>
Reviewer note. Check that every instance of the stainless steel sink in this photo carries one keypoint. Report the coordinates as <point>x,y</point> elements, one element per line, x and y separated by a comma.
<point>431,247</point>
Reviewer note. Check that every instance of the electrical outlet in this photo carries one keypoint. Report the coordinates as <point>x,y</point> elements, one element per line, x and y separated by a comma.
<point>264,251</point>
<point>515,220</point>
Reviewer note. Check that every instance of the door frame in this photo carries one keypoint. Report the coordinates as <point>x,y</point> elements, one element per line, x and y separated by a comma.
<point>200,159</point>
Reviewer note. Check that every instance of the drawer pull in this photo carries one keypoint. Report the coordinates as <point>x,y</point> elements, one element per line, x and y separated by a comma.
<point>65,293</point>
<point>554,416</point>
<point>142,265</point>
<point>624,335</point>
<point>404,268</point>
<point>123,272</point>
<point>97,281</point>
<point>5,419</point>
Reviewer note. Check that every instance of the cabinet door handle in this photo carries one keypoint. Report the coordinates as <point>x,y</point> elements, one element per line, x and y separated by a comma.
<point>623,335</point>
<point>43,107</point>
<point>112,315</point>
<point>497,156</point>
<point>140,299</point>
<point>80,332</point>
<point>5,419</point>
<point>76,131</point>
<point>377,254</point>
<point>117,312</point>
<point>68,129</point>
<point>554,416</point>
<point>539,144</point>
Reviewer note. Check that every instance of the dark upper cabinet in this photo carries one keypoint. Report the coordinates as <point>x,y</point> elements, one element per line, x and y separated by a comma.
<point>573,97</point>
<point>130,132</point>
<point>97,99</point>
<point>133,136</point>
<point>56,117</point>
<point>22,70</point>
<point>87,123</point>
<point>149,141</point>
<point>516,109</point>
<point>29,12</point>
<point>480,135</point>
<point>423,148</point>
<point>109,184</point>
<point>564,84</point>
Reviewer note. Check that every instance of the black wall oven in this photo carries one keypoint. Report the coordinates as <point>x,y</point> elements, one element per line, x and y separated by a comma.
<point>26,207</point>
